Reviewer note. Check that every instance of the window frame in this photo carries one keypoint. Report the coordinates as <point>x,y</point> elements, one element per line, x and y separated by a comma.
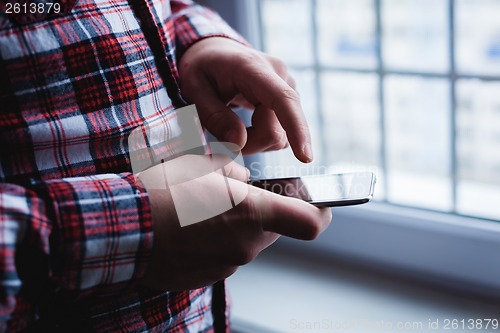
<point>446,248</point>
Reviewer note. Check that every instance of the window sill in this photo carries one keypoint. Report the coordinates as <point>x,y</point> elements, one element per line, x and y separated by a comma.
<point>452,250</point>
<point>285,290</point>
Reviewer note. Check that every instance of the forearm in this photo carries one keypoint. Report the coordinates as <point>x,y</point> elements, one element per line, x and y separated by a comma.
<point>102,230</point>
<point>82,235</point>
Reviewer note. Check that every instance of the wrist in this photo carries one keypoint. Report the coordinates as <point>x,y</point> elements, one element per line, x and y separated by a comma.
<point>204,49</point>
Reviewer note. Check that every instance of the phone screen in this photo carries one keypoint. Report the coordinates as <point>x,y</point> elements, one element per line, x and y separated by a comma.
<point>324,190</point>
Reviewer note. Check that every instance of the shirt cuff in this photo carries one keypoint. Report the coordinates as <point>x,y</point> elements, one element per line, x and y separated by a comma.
<point>194,22</point>
<point>103,231</point>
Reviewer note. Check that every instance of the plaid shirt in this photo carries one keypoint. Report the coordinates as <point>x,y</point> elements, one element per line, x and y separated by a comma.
<point>75,231</point>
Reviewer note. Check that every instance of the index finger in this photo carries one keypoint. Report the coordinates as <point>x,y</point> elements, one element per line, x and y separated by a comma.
<point>266,87</point>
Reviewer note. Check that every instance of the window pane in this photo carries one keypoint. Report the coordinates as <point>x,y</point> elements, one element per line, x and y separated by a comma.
<point>351,121</point>
<point>478,143</point>
<point>415,35</point>
<point>418,141</point>
<point>478,36</point>
<point>287,30</point>
<point>346,33</point>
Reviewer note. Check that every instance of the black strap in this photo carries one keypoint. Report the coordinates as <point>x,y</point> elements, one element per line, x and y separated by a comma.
<point>60,322</point>
<point>154,40</point>
<point>219,307</point>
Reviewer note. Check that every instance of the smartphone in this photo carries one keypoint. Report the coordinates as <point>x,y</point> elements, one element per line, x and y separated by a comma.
<point>329,190</point>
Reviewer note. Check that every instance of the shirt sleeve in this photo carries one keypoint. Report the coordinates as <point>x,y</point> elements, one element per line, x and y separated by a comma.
<point>82,234</point>
<point>193,22</point>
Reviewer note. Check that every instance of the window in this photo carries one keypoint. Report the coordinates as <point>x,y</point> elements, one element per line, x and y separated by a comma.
<point>409,87</point>
<point>444,109</point>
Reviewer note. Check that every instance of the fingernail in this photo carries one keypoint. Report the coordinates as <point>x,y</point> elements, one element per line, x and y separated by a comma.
<point>307,150</point>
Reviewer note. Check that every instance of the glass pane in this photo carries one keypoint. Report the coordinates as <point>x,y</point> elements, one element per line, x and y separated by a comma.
<point>415,35</point>
<point>346,33</point>
<point>478,143</point>
<point>351,120</point>
<point>478,36</point>
<point>418,141</point>
<point>287,30</point>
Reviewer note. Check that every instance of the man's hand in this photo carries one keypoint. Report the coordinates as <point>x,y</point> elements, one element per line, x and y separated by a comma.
<point>203,253</point>
<point>217,72</point>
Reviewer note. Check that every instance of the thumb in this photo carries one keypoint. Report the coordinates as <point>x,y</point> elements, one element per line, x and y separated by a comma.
<point>217,117</point>
<point>290,216</point>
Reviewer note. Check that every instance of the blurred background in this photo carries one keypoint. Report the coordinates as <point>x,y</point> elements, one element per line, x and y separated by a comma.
<point>411,90</point>
<point>409,86</point>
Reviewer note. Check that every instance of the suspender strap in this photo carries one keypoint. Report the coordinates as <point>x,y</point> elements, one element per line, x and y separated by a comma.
<point>154,39</point>
<point>219,307</point>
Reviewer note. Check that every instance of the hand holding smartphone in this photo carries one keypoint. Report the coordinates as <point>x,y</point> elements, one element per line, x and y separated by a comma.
<point>331,190</point>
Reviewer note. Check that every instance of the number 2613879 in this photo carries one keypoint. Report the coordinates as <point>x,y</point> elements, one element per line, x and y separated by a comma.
<point>32,8</point>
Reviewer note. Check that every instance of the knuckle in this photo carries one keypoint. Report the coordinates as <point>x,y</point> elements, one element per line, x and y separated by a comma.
<point>278,139</point>
<point>249,211</point>
<point>279,66</point>
<point>290,95</point>
<point>286,97</point>
<point>253,55</point>
<point>249,60</point>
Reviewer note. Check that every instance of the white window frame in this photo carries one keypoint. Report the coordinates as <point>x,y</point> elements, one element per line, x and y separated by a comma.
<point>457,251</point>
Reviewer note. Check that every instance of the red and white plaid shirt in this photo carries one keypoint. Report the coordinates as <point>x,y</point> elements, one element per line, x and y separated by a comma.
<point>75,231</point>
